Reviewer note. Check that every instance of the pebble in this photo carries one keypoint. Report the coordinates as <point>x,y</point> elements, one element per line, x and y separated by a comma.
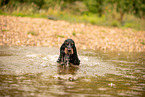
<point>49,33</point>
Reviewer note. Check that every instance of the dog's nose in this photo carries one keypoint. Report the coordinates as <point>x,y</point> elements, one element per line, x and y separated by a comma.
<point>69,50</point>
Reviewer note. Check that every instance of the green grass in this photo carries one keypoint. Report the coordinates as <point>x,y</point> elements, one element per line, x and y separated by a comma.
<point>74,33</point>
<point>115,23</point>
<point>61,36</point>
<point>4,30</point>
<point>32,33</point>
<point>129,21</point>
<point>142,42</point>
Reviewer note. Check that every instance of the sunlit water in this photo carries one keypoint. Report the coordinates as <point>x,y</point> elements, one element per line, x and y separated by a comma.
<point>33,72</point>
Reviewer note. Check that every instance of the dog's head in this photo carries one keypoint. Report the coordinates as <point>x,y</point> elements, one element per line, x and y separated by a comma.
<point>69,45</point>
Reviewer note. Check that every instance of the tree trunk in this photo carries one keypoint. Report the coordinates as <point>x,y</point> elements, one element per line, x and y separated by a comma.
<point>121,16</point>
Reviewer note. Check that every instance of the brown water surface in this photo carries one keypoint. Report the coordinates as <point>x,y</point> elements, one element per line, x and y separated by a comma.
<point>33,72</point>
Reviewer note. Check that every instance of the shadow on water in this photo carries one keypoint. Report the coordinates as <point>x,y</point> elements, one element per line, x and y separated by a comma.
<point>33,72</point>
<point>67,70</point>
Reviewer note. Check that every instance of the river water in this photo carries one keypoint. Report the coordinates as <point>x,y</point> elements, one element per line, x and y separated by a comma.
<point>33,72</point>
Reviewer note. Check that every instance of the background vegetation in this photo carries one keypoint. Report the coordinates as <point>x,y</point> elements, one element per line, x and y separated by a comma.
<point>116,13</point>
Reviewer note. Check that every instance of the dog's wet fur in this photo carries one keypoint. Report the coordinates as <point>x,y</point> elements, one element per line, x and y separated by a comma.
<point>68,48</point>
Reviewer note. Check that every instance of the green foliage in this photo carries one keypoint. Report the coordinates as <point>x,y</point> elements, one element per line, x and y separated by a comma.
<point>1,12</point>
<point>129,25</point>
<point>136,7</point>
<point>95,6</point>
<point>97,12</point>
<point>50,3</point>
<point>115,23</point>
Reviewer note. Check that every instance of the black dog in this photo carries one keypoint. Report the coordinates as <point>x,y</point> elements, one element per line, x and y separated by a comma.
<point>68,49</point>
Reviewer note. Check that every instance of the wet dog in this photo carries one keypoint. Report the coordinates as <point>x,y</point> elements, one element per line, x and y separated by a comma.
<point>68,53</point>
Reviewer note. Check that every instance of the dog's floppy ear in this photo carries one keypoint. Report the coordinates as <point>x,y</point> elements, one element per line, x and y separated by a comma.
<point>62,46</point>
<point>74,49</point>
<point>76,61</point>
<point>61,52</point>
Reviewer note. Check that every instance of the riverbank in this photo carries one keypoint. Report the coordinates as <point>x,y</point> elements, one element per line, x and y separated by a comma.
<point>25,31</point>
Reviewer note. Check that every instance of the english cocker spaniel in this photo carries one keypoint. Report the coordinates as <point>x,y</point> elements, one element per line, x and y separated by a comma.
<point>68,53</point>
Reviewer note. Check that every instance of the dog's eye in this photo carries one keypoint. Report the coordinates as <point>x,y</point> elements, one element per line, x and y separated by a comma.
<point>67,43</point>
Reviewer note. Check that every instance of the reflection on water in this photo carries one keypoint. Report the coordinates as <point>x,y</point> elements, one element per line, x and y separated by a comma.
<point>33,72</point>
<point>67,70</point>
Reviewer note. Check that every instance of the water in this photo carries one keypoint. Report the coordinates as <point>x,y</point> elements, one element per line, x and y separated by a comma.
<point>33,72</point>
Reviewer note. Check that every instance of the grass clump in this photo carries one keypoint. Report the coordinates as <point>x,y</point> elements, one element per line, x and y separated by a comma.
<point>74,33</point>
<point>32,33</point>
<point>142,42</point>
<point>115,24</point>
<point>61,36</point>
<point>4,30</point>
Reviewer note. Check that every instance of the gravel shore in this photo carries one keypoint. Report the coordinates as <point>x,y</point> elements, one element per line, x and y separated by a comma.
<point>25,31</point>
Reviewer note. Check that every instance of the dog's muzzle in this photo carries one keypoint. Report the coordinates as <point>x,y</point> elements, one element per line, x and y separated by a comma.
<point>68,51</point>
